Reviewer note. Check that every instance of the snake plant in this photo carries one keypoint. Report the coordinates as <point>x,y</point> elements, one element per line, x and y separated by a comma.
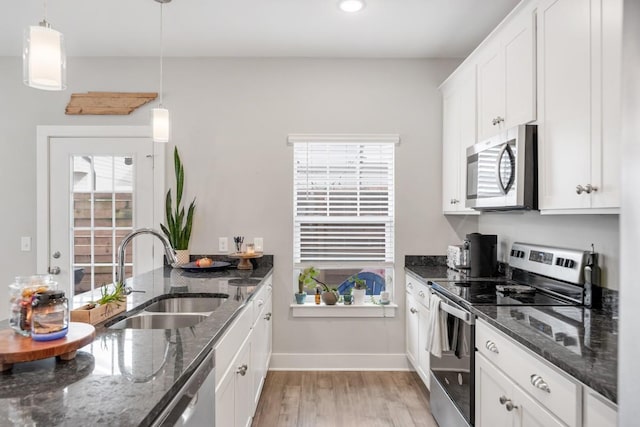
<point>178,227</point>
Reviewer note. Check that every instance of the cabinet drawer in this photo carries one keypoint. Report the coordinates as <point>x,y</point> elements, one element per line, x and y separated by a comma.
<point>554,389</point>
<point>418,289</point>
<point>260,298</point>
<point>231,341</point>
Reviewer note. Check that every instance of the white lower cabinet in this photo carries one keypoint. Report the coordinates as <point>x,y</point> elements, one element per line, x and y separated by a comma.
<point>500,402</point>
<point>242,362</point>
<point>515,387</point>
<point>598,411</point>
<point>417,319</point>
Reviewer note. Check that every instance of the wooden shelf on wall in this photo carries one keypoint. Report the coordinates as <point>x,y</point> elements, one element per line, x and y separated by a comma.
<point>107,103</point>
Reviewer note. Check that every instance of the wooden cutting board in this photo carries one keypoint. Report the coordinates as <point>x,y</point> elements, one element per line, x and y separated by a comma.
<point>15,348</point>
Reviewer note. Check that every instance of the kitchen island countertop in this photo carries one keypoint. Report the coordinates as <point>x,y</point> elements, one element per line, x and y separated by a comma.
<point>126,377</point>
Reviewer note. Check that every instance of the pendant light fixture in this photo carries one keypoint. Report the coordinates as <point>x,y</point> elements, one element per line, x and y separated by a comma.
<point>160,115</point>
<point>351,6</point>
<point>44,63</point>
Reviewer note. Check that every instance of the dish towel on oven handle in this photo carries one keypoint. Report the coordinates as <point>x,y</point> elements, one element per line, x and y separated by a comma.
<point>437,336</point>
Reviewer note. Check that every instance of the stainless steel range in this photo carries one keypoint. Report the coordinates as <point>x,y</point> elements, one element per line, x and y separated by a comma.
<point>543,288</point>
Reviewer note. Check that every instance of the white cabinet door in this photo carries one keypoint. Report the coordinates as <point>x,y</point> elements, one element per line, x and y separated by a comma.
<point>260,350</point>
<point>518,48</point>
<point>491,90</point>
<point>491,386</point>
<point>531,414</point>
<point>225,400</point>
<point>506,77</point>
<point>579,103</point>
<point>413,325</point>
<point>423,354</point>
<point>500,402</point>
<point>451,154</point>
<point>598,411</point>
<point>458,133</point>
<point>564,131</point>
<point>242,370</point>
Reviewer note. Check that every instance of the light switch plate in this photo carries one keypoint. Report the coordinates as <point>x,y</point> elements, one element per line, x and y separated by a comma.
<point>258,242</point>
<point>25,244</point>
<point>223,244</point>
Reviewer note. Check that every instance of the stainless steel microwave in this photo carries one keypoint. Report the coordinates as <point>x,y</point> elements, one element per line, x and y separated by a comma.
<point>502,172</point>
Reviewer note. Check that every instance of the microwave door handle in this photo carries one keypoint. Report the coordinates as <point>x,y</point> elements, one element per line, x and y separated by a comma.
<point>506,149</point>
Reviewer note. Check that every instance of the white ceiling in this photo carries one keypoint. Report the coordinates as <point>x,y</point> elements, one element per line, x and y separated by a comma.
<point>259,28</point>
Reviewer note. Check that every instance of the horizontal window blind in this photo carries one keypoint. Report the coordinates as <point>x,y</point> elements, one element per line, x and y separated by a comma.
<point>343,201</point>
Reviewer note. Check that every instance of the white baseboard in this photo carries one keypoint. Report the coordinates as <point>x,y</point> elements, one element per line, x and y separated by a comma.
<point>339,362</point>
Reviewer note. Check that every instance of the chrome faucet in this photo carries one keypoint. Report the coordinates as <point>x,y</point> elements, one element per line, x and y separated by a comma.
<point>168,250</point>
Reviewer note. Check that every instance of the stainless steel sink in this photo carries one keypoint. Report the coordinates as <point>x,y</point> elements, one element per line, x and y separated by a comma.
<point>185,305</point>
<point>159,321</point>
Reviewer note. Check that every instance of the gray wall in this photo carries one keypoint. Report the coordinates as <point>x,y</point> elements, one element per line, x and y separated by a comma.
<point>571,231</point>
<point>230,120</point>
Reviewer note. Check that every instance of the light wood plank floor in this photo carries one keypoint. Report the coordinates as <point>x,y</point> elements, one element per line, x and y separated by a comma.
<point>343,399</point>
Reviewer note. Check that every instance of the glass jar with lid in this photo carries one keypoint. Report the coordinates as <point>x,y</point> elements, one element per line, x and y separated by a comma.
<point>50,316</point>
<point>21,293</point>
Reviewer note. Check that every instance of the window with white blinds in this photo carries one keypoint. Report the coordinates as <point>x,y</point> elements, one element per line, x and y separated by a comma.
<point>343,201</point>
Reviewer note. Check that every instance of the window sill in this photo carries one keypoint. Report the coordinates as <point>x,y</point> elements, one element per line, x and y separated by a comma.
<point>341,310</point>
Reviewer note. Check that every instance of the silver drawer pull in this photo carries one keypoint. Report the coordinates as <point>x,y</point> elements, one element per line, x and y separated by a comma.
<point>421,294</point>
<point>410,285</point>
<point>508,403</point>
<point>267,316</point>
<point>538,382</point>
<point>413,310</point>
<point>491,346</point>
<point>242,370</point>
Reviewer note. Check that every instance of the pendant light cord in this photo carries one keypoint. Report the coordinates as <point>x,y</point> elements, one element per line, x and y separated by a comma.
<point>161,51</point>
<point>45,9</point>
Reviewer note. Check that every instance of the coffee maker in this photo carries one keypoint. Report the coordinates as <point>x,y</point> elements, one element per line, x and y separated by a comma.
<point>483,254</point>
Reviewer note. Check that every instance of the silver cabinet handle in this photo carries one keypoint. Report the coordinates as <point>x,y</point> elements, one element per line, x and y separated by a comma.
<point>260,303</point>
<point>538,382</point>
<point>242,370</point>
<point>267,316</point>
<point>586,189</point>
<point>413,310</point>
<point>454,201</point>
<point>421,294</point>
<point>54,270</point>
<point>497,120</point>
<point>491,346</point>
<point>508,403</point>
<point>510,406</point>
<point>410,285</point>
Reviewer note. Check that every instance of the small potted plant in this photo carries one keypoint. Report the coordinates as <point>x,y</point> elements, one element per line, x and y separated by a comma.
<point>306,279</point>
<point>359,290</point>
<point>347,297</point>
<point>178,226</point>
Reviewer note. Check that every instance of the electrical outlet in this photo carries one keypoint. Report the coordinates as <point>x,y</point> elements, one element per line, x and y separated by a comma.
<point>223,244</point>
<point>25,244</point>
<point>258,242</point>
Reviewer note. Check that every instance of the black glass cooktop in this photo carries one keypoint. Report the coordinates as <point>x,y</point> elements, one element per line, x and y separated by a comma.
<point>479,292</point>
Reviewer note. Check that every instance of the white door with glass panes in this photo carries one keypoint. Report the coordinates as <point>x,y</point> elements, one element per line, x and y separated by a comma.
<point>100,190</point>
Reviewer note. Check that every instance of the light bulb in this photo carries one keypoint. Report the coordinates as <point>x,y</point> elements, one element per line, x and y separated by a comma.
<point>351,6</point>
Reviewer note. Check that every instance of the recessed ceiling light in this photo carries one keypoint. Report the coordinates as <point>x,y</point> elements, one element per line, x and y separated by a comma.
<point>351,6</point>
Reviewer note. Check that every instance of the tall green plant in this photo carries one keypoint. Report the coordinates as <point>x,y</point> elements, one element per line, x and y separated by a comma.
<point>178,227</point>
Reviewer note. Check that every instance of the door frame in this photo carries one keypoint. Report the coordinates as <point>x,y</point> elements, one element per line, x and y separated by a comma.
<point>43,137</point>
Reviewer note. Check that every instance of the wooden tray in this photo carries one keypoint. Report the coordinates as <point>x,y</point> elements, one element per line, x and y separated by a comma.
<point>15,348</point>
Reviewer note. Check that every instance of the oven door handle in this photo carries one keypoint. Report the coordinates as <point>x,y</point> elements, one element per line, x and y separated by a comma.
<point>461,314</point>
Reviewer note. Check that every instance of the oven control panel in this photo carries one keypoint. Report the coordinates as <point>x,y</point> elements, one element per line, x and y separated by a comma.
<point>557,263</point>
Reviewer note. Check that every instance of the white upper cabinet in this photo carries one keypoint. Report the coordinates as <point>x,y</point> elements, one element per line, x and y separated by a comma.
<point>506,76</point>
<point>579,45</point>
<point>458,133</point>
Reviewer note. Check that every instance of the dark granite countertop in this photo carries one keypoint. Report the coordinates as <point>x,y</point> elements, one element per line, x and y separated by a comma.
<point>596,362</point>
<point>126,377</point>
